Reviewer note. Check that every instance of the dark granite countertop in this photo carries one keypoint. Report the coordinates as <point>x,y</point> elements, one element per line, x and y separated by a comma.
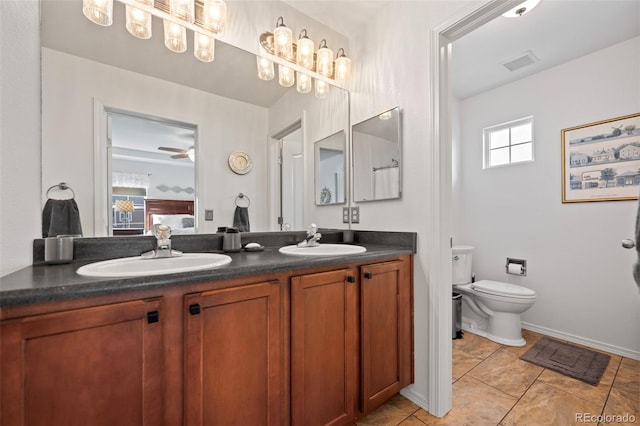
<point>44,283</point>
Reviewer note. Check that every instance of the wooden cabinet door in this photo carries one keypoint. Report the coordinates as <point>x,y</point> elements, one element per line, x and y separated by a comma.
<point>233,356</point>
<point>97,366</point>
<point>385,297</point>
<point>323,348</point>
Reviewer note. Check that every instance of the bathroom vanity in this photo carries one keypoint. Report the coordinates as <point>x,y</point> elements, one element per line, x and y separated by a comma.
<point>268,339</point>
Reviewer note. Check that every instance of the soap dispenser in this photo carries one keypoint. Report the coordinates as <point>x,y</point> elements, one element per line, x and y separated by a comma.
<point>231,240</point>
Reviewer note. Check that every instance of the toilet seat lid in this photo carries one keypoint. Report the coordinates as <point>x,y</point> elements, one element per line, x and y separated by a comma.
<point>502,289</point>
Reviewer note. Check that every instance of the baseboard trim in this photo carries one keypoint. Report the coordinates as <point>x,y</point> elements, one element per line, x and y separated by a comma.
<point>583,341</point>
<point>415,397</point>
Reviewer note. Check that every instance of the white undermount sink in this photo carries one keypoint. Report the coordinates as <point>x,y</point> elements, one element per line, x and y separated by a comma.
<point>138,266</point>
<point>322,250</point>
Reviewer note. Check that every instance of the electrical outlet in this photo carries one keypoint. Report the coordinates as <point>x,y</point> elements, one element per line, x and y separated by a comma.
<point>345,215</point>
<point>355,214</point>
<point>208,215</point>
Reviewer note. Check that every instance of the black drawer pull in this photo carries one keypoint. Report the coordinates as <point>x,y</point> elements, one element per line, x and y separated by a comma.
<point>194,309</point>
<point>368,275</point>
<point>351,279</point>
<point>153,316</point>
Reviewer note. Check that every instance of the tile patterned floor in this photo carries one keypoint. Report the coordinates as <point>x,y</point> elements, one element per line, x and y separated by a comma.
<point>493,387</point>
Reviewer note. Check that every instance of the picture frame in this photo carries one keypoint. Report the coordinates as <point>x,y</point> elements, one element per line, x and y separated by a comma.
<point>601,160</point>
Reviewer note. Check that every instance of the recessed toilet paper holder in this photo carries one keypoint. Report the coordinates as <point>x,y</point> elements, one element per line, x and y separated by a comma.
<point>516,266</point>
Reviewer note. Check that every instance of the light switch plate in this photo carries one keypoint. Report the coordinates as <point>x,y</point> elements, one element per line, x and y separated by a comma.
<point>208,215</point>
<point>345,215</point>
<point>355,214</point>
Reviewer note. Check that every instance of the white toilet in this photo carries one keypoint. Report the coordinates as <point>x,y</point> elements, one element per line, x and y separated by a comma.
<point>498,304</point>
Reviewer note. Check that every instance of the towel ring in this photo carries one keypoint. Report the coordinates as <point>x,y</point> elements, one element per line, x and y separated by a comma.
<point>241,196</point>
<point>62,186</point>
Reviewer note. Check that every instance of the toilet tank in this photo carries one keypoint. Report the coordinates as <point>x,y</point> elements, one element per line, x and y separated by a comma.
<point>462,264</point>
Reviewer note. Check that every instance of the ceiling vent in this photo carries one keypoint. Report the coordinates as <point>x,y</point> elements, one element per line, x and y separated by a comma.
<point>526,59</point>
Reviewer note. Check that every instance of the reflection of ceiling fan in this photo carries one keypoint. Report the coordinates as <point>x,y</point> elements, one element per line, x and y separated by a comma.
<point>182,153</point>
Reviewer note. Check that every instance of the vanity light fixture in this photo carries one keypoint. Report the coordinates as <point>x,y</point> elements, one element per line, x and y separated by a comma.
<point>138,22</point>
<point>322,89</point>
<point>183,9</point>
<point>521,9</point>
<point>215,15</point>
<point>283,40</point>
<point>343,66</point>
<point>203,47</point>
<point>307,64</point>
<point>305,51</point>
<point>265,68</point>
<point>304,83</point>
<point>286,76</point>
<point>175,36</point>
<point>325,59</point>
<point>206,18</point>
<point>98,11</point>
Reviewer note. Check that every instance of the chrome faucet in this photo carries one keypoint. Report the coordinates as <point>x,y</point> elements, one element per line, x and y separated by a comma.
<point>163,249</point>
<point>313,236</point>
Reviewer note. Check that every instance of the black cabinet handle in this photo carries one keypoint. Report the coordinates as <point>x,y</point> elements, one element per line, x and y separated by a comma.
<point>368,275</point>
<point>351,279</point>
<point>194,309</point>
<point>153,316</point>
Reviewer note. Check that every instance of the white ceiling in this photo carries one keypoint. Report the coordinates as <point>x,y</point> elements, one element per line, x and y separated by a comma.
<point>556,31</point>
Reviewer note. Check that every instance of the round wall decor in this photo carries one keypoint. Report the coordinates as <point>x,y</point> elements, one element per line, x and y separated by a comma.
<point>240,162</point>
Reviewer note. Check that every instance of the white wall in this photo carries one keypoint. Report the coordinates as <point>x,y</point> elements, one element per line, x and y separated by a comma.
<point>160,176</point>
<point>575,263</point>
<point>19,132</point>
<point>393,70</point>
<point>71,84</point>
<point>320,118</point>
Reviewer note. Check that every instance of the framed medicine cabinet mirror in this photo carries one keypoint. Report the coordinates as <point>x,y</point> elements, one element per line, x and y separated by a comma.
<point>330,169</point>
<point>377,166</point>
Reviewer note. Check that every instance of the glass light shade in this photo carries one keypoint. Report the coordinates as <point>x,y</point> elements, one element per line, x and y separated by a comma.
<point>175,37</point>
<point>286,76</point>
<point>265,69</point>
<point>203,47</point>
<point>283,42</point>
<point>325,61</point>
<point>139,21</point>
<point>304,54</point>
<point>215,15</point>
<point>322,89</point>
<point>343,68</point>
<point>183,9</point>
<point>98,11</point>
<point>304,82</point>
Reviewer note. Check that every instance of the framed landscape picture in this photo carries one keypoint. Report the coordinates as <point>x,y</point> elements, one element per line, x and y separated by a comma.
<point>601,161</point>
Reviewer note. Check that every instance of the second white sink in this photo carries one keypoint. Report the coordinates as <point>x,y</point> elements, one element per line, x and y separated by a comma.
<point>323,250</point>
<point>139,267</point>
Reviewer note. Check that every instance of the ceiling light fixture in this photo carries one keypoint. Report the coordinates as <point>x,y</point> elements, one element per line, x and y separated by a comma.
<point>521,9</point>
<point>301,58</point>
<point>206,18</point>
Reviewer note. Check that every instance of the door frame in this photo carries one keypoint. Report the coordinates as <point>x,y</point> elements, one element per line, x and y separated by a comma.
<point>438,245</point>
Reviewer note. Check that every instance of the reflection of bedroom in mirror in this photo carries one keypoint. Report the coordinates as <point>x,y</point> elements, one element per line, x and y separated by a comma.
<point>376,157</point>
<point>152,174</point>
<point>330,170</point>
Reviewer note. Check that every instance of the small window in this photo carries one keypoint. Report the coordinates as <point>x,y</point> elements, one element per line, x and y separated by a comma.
<point>508,143</point>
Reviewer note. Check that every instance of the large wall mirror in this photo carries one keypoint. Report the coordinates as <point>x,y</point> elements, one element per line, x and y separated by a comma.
<point>377,165</point>
<point>329,157</point>
<point>89,71</point>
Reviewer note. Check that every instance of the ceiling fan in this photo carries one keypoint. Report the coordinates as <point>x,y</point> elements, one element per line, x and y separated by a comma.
<point>182,153</point>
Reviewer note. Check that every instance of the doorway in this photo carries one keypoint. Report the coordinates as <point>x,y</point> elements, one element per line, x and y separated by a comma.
<point>139,156</point>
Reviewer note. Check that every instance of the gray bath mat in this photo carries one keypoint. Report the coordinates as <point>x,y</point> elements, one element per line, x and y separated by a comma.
<point>579,363</point>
